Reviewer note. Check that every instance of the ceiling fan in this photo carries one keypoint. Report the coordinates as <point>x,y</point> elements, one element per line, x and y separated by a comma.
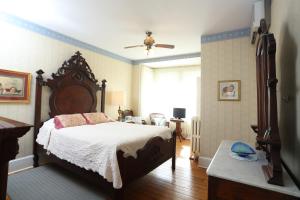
<point>149,42</point>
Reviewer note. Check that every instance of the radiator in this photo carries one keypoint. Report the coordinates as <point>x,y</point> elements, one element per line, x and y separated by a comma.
<point>195,147</point>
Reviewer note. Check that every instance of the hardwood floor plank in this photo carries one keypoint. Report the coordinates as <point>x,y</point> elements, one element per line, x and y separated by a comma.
<point>188,182</point>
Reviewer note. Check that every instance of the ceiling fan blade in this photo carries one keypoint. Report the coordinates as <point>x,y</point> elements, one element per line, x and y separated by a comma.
<point>134,46</point>
<point>165,46</point>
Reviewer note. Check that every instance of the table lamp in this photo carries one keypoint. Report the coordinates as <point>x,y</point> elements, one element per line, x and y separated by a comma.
<point>116,98</point>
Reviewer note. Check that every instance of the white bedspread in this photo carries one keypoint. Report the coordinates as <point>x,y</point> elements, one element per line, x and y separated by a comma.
<point>94,147</point>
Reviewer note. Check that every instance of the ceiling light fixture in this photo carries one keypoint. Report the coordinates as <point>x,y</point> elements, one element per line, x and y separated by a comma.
<point>149,42</point>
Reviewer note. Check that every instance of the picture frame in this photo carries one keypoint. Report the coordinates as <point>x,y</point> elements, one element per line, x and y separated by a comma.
<point>14,86</point>
<point>229,90</point>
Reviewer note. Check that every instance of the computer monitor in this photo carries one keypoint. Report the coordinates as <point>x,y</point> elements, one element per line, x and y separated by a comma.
<point>179,113</point>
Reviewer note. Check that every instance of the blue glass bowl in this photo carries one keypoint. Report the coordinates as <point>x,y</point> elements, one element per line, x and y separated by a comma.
<point>242,149</point>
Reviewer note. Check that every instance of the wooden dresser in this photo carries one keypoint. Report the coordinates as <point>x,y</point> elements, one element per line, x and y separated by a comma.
<point>231,179</point>
<point>10,131</point>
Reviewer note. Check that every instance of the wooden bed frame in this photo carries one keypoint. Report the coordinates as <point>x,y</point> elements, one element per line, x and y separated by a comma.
<point>74,90</point>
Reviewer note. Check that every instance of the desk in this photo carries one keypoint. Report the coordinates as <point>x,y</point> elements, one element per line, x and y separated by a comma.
<point>229,178</point>
<point>178,128</point>
<point>10,131</point>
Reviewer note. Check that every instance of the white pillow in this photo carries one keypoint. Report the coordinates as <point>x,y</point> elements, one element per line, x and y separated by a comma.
<point>158,121</point>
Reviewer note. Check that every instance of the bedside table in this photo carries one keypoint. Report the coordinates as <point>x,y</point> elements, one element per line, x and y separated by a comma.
<point>178,128</point>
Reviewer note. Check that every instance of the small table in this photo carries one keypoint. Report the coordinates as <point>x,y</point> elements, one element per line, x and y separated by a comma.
<point>10,131</point>
<point>178,128</point>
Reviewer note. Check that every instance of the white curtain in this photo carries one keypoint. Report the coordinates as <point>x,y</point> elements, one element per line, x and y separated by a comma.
<point>166,88</point>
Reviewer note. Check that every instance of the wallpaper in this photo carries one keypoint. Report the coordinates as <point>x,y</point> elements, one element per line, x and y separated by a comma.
<point>232,59</point>
<point>26,51</point>
<point>136,89</point>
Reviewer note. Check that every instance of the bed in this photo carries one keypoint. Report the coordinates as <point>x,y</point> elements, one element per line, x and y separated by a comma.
<point>74,89</point>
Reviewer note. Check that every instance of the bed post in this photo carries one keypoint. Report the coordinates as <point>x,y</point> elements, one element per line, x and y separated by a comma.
<point>118,194</point>
<point>103,86</point>
<point>37,115</point>
<point>174,150</point>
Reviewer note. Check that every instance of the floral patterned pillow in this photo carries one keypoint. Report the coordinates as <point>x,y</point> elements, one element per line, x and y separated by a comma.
<point>63,121</point>
<point>96,118</point>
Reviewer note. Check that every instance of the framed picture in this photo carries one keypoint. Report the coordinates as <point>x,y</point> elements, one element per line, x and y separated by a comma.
<point>229,90</point>
<point>14,86</point>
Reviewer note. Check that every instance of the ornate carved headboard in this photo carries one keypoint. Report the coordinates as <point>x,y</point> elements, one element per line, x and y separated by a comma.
<point>73,90</point>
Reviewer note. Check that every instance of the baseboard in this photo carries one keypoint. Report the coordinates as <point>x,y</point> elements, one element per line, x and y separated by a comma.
<point>20,164</point>
<point>27,162</point>
<point>204,162</point>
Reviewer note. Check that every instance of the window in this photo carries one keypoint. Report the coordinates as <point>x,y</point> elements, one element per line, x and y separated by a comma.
<point>166,88</point>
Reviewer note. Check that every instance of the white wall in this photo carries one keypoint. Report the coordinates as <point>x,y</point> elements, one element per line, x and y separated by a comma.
<point>147,91</point>
<point>136,90</point>
<point>26,51</point>
<point>285,24</point>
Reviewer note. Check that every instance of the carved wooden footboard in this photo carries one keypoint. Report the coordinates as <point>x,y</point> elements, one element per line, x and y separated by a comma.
<point>153,154</point>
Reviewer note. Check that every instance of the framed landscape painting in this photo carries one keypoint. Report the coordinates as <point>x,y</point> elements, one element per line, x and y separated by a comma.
<point>229,90</point>
<point>14,86</point>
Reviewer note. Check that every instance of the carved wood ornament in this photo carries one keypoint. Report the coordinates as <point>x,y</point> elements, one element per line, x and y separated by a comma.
<point>73,90</point>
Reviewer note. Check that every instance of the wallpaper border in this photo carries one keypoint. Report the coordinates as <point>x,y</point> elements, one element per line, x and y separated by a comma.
<point>227,35</point>
<point>58,36</point>
<point>167,58</point>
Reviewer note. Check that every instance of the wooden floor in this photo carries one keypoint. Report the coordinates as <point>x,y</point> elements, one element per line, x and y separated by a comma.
<point>187,182</point>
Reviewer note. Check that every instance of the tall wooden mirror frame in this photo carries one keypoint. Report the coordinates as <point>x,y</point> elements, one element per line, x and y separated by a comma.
<point>268,138</point>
